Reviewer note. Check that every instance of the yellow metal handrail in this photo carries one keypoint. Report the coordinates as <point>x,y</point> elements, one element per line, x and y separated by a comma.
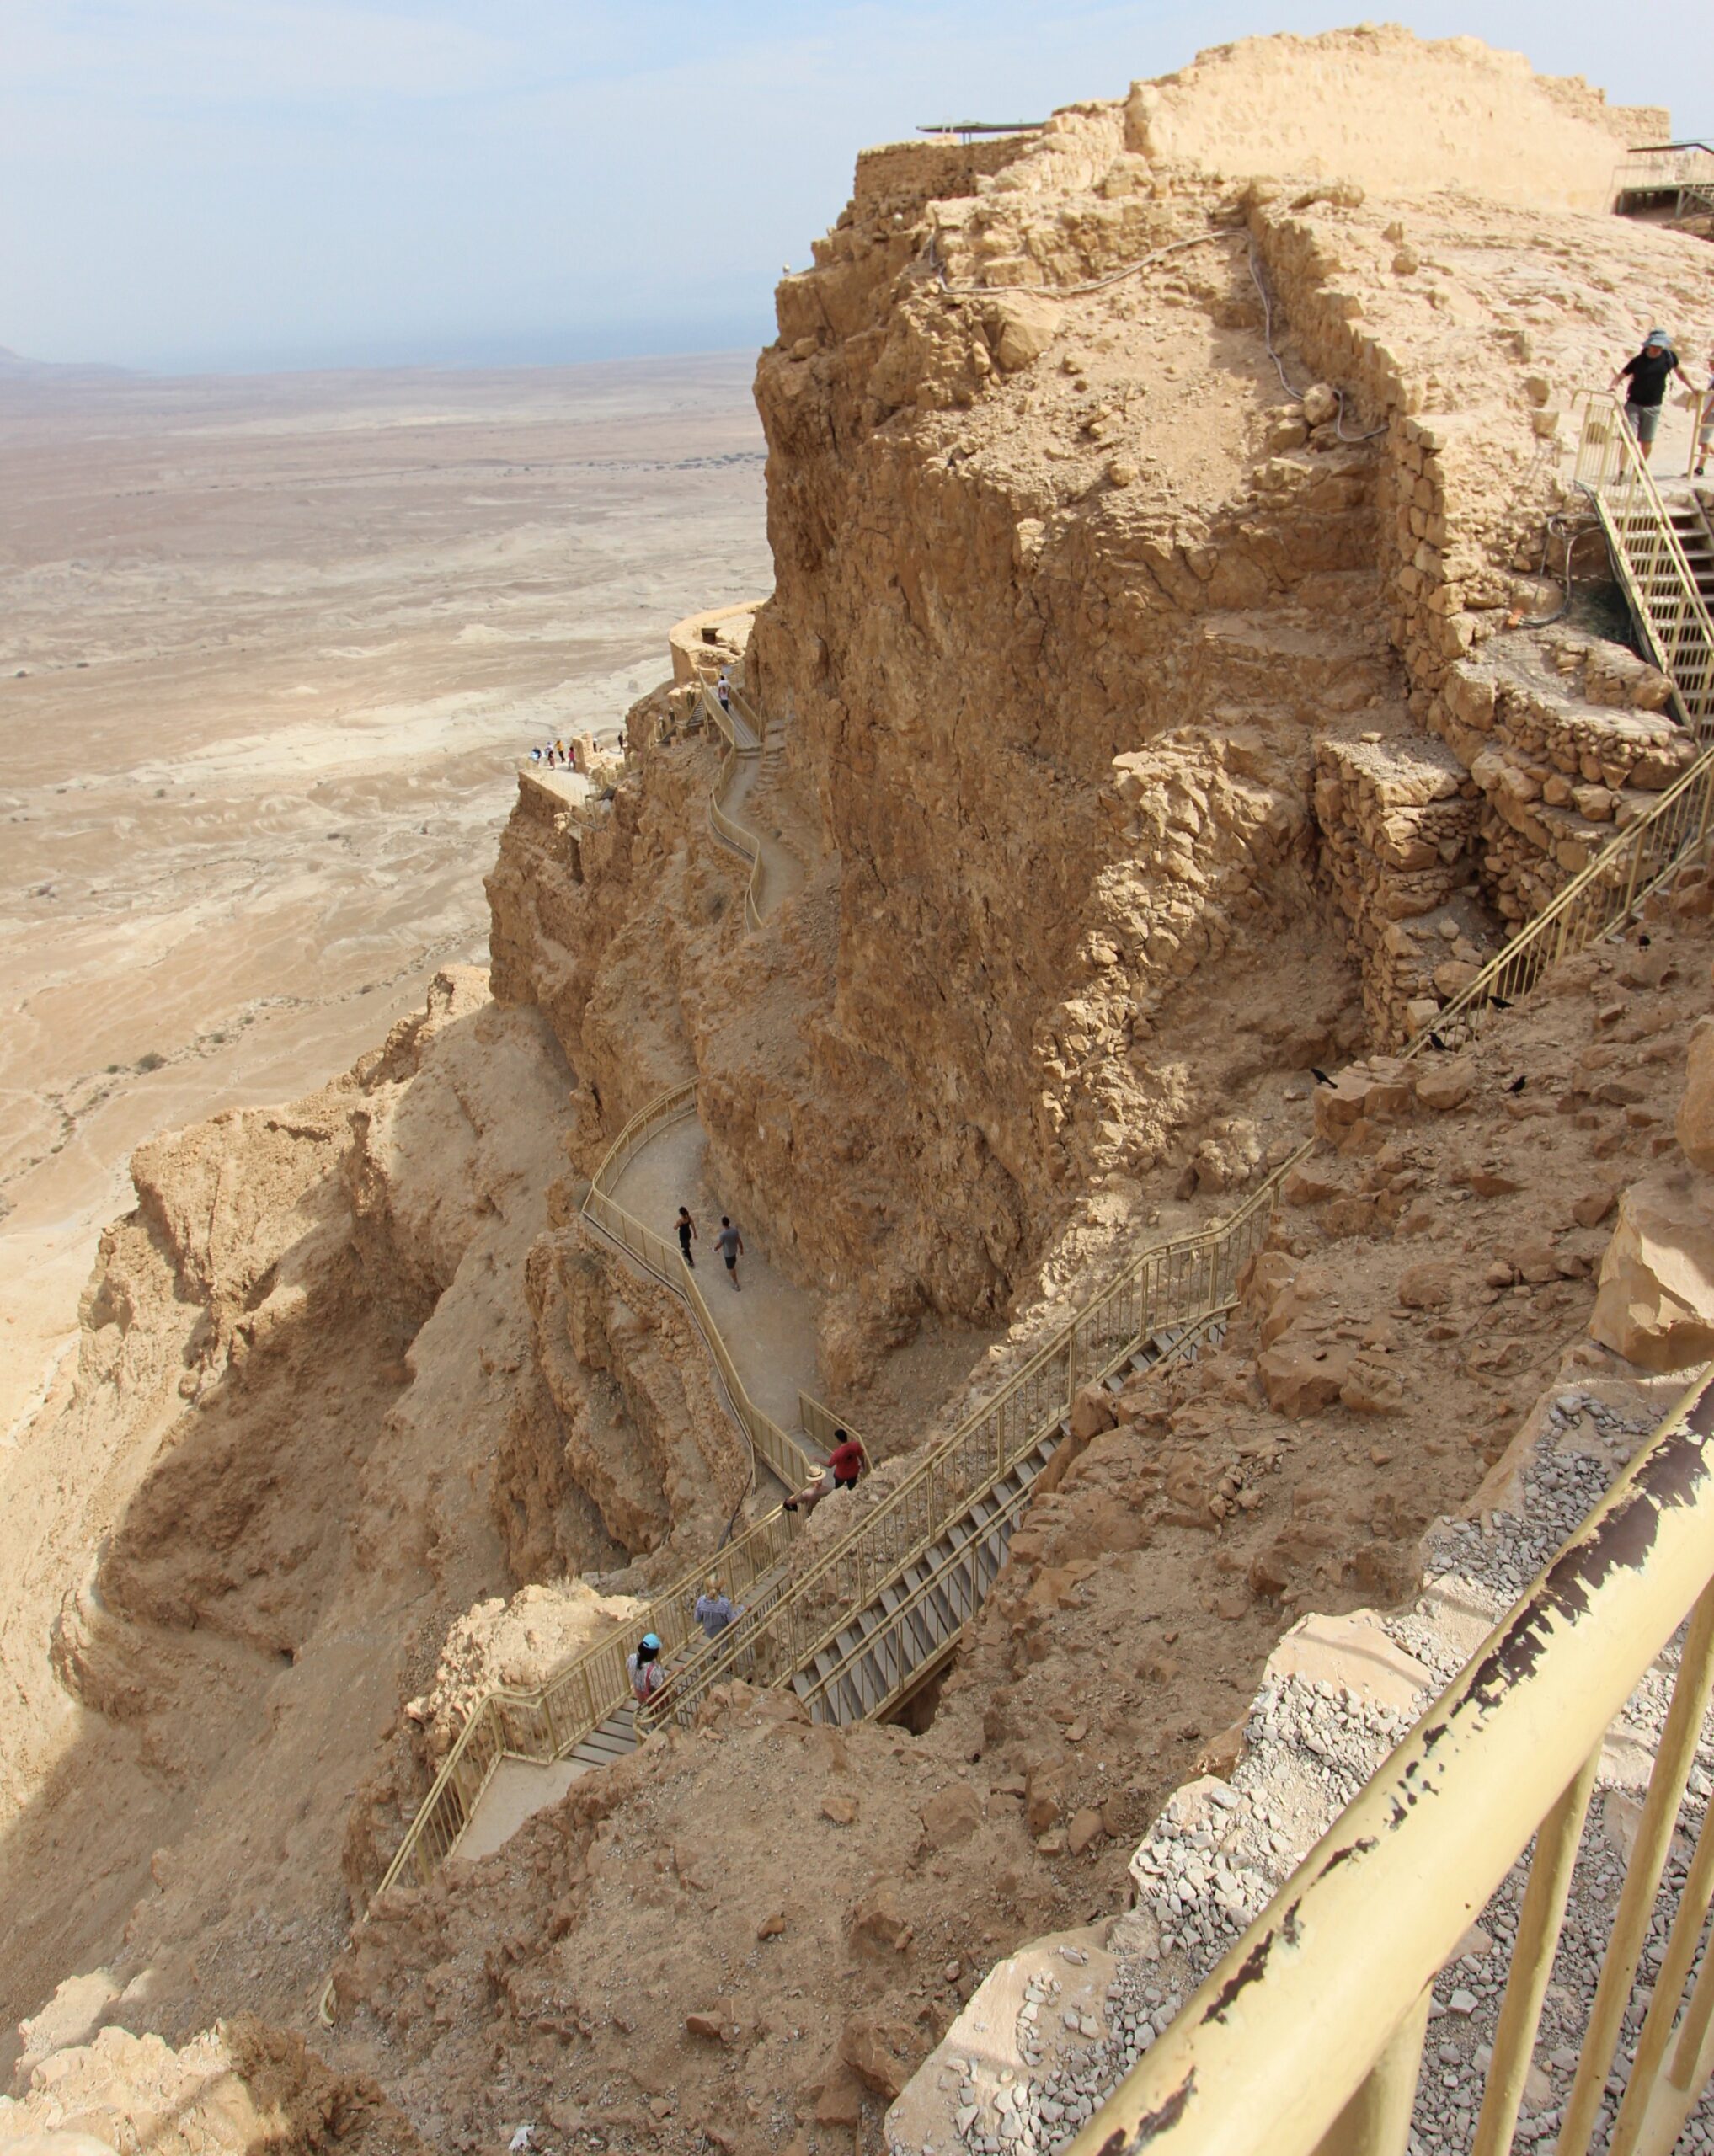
<point>1598,899</point>
<point>744,735</point>
<point>1174,1283</point>
<point>831,1665</point>
<point>1306,2040</point>
<point>1651,560</point>
<point>601,1212</point>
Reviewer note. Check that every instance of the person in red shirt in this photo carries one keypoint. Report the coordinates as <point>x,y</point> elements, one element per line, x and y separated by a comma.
<point>847,1460</point>
<point>845,1464</point>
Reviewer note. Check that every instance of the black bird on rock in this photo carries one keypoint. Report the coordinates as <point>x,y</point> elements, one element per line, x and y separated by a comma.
<point>1320,1077</point>
<point>1517,1085</point>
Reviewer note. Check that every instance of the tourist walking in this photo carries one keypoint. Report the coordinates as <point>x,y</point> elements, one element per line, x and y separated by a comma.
<point>730,1245</point>
<point>714,1609</point>
<point>847,1460</point>
<point>642,1667</point>
<point>806,1500</point>
<point>1705,432</point>
<point>687,1236</point>
<point>1648,372</point>
<point>723,690</point>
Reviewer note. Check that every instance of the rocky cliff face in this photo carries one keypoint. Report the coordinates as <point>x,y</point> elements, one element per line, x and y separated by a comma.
<point>341,1377</point>
<point>1142,532</point>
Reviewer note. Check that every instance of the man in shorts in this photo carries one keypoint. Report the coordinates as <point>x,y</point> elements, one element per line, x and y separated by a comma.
<point>730,1245</point>
<point>1648,372</point>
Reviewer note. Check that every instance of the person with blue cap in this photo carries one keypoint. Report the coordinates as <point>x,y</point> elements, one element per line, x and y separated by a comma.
<point>642,1667</point>
<point>1649,372</point>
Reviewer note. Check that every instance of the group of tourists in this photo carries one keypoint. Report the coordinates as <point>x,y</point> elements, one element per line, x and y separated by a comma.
<point>1646,375</point>
<point>714,1610</point>
<point>554,754</point>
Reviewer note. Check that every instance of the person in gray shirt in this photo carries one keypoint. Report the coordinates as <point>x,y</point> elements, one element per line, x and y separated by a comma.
<point>730,1245</point>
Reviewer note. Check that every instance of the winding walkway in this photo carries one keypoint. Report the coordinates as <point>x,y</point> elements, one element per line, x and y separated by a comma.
<point>769,1324</point>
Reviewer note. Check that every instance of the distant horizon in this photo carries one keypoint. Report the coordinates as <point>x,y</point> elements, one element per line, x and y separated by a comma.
<point>33,367</point>
<point>191,187</point>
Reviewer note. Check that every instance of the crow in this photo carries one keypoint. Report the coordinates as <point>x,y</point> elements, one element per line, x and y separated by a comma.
<point>1499,1003</point>
<point>1435,1040</point>
<point>1320,1077</point>
<point>1517,1085</point>
<point>1643,942</point>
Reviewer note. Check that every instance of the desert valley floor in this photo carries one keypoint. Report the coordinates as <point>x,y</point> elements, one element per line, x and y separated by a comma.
<point>270,649</point>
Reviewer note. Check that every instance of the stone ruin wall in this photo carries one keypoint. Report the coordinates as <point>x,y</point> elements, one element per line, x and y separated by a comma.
<point>1557,738</point>
<point>1382,109</point>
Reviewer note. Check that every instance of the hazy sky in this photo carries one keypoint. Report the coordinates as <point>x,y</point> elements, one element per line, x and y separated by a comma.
<point>278,183</point>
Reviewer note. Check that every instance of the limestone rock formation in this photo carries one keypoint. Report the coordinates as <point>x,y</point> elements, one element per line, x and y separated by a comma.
<point>1656,1305</point>
<point>235,2090</point>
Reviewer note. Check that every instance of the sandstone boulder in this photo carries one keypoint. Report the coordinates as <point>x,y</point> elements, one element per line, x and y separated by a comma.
<point>1091,1412</point>
<point>1375,1092</point>
<point>1308,1186</point>
<point>1445,1086</point>
<point>1020,328</point>
<point>879,1919</point>
<point>1372,1386</point>
<point>1696,1118</point>
<point>1428,1286</point>
<point>1655,1304</point>
<point>1086,1827</point>
<point>840,2102</point>
<point>880,2051</point>
<point>952,1815</point>
<point>1298,1379</point>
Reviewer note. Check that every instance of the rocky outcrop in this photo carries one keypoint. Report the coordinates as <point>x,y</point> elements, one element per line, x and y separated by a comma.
<point>236,2090</point>
<point>1656,1305</point>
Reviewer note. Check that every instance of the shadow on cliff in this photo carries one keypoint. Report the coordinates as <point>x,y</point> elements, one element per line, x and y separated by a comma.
<point>287,1544</point>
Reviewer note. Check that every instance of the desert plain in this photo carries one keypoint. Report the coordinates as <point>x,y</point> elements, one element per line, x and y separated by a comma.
<point>271,649</point>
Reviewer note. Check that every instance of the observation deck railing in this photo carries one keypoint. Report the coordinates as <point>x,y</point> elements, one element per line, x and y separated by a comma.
<point>1307,2039</point>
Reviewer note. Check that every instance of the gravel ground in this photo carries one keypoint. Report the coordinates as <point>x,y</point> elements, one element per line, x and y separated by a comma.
<point>1218,1851</point>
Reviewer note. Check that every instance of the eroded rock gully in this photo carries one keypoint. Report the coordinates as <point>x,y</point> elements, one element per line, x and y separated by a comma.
<point>1141,735</point>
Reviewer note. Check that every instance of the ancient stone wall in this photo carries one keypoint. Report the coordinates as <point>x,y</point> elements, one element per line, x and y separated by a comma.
<point>1379,107</point>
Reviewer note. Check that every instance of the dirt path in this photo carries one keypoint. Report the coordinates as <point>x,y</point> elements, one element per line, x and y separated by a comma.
<point>768,1324</point>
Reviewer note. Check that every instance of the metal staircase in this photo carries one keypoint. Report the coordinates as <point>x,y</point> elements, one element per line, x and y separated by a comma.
<point>1663,553</point>
<point>911,1626</point>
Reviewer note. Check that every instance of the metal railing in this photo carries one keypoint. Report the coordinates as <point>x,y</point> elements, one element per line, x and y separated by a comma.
<point>1174,1283</point>
<point>1606,893</point>
<point>1306,2040</point>
<point>1685,169</point>
<point>603,1213</point>
<point>1649,556</point>
<point>744,735</point>
<point>950,1570</point>
<point>1600,898</point>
